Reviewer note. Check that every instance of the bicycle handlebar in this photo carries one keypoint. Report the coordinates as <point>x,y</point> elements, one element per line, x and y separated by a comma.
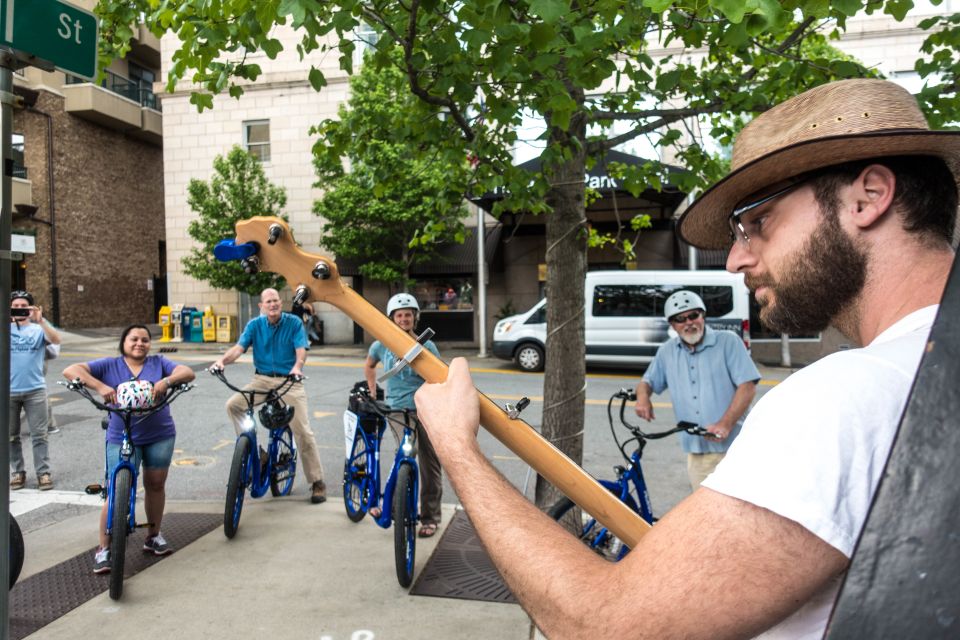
<point>382,408</point>
<point>280,390</point>
<point>626,395</point>
<point>77,385</point>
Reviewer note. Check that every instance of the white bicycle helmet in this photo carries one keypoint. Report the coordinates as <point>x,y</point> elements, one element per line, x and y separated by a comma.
<point>136,394</point>
<point>402,301</point>
<point>682,301</point>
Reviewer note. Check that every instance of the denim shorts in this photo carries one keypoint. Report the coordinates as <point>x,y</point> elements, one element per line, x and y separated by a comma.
<point>156,455</point>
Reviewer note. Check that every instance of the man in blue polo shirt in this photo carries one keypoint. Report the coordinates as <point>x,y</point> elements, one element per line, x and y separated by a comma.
<point>279,349</point>
<point>711,378</point>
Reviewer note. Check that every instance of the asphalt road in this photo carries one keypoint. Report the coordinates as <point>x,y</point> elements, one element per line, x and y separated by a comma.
<point>205,438</point>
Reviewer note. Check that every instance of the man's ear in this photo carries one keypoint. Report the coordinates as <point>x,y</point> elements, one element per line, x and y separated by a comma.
<point>873,191</point>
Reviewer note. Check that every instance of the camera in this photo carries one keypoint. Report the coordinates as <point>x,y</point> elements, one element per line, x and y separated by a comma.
<point>20,312</point>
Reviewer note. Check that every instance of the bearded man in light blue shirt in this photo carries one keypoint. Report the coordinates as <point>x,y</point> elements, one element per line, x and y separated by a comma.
<point>711,378</point>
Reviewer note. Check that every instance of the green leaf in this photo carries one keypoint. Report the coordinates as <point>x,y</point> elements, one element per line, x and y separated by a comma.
<point>541,34</point>
<point>657,6</point>
<point>549,10</point>
<point>732,10</point>
<point>317,80</point>
<point>272,47</point>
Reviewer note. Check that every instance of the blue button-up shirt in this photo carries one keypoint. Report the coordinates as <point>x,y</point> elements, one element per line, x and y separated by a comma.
<point>702,382</point>
<point>274,345</point>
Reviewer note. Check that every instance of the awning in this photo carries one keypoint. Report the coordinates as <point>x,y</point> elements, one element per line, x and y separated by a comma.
<point>451,258</point>
<point>669,198</point>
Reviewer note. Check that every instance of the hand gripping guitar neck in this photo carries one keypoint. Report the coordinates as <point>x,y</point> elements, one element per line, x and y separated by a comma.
<point>265,243</point>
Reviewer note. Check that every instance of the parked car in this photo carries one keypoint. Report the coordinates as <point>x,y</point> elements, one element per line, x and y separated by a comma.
<point>624,316</point>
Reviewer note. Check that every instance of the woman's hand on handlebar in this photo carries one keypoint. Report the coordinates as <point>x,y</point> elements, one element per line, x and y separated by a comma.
<point>109,394</point>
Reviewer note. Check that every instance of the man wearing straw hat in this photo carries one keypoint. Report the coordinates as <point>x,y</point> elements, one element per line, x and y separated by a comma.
<point>840,210</point>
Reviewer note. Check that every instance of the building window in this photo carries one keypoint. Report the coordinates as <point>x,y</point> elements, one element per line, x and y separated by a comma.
<point>365,38</point>
<point>256,139</point>
<point>143,79</point>
<point>444,294</point>
<point>19,168</point>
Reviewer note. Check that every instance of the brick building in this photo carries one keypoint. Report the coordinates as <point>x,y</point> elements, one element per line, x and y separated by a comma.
<point>88,192</point>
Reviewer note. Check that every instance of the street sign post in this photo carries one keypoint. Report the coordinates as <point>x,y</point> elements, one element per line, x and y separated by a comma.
<point>52,32</point>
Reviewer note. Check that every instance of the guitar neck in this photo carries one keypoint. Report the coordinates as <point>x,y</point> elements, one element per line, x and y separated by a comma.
<point>515,434</point>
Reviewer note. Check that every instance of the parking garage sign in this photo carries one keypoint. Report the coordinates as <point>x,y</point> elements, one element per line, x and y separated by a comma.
<point>51,32</point>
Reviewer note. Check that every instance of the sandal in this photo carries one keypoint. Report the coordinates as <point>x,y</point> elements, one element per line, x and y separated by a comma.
<point>375,512</point>
<point>427,530</point>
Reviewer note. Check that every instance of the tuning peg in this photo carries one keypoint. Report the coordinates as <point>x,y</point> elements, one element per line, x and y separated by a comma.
<point>274,233</point>
<point>251,265</point>
<point>301,294</point>
<point>321,271</point>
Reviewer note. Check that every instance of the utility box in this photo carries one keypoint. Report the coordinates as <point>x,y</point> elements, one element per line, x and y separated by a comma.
<point>166,326</point>
<point>196,325</point>
<point>176,322</point>
<point>209,325</point>
<point>226,328</point>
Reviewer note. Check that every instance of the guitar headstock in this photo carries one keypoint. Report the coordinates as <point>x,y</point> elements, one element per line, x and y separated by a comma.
<point>312,277</point>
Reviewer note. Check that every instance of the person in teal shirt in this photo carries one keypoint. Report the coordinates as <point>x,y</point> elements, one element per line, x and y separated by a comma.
<point>404,311</point>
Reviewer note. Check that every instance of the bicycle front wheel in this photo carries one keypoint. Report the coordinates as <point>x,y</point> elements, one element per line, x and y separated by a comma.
<point>593,534</point>
<point>284,465</point>
<point>16,551</point>
<point>118,534</point>
<point>405,524</point>
<point>356,480</point>
<point>236,487</point>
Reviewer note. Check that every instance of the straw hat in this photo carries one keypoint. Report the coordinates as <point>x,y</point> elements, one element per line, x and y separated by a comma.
<point>830,124</point>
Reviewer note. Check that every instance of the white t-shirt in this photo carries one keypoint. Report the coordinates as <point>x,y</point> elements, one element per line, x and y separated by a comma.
<point>814,447</point>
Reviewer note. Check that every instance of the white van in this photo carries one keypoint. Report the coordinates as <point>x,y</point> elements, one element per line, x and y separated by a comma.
<point>624,316</point>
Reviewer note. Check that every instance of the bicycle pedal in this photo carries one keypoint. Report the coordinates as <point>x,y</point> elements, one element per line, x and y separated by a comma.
<point>142,525</point>
<point>93,489</point>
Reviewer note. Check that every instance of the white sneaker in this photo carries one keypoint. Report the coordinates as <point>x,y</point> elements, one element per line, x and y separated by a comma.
<point>157,545</point>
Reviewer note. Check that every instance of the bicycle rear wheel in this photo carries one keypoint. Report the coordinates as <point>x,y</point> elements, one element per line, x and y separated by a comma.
<point>284,465</point>
<point>16,550</point>
<point>356,480</point>
<point>593,534</point>
<point>236,487</point>
<point>405,524</point>
<point>118,533</point>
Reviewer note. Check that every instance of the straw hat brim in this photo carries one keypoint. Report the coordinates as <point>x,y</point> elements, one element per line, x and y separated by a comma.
<point>704,223</point>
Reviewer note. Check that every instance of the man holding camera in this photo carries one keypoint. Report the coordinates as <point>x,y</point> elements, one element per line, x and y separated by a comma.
<point>29,336</point>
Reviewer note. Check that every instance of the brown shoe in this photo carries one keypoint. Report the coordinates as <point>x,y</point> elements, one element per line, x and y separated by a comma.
<point>319,492</point>
<point>18,480</point>
<point>45,482</point>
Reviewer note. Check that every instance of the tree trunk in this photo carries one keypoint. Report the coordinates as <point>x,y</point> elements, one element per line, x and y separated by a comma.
<point>566,258</point>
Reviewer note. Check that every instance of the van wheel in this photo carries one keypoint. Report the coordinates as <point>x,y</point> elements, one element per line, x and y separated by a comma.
<point>529,357</point>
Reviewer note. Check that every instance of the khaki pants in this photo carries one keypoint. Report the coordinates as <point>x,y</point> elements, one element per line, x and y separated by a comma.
<point>302,435</point>
<point>700,465</point>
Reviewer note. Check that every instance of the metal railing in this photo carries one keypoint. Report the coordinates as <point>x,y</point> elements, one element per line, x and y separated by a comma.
<point>121,86</point>
<point>19,171</point>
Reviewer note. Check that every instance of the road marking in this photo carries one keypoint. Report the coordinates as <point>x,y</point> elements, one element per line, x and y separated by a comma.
<point>507,458</point>
<point>503,396</point>
<point>222,444</point>
<point>323,414</point>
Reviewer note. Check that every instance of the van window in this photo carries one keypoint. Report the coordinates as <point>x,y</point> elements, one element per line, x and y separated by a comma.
<point>648,300</point>
<point>538,317</point>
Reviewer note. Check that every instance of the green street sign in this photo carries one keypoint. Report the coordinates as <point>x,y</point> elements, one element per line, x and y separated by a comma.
<point>53,32</point>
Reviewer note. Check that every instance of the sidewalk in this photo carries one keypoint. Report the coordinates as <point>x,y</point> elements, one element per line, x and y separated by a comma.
<point>294,570</point>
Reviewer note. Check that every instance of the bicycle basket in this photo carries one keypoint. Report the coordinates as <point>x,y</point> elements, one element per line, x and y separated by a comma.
<point>358,404</point>
<point>275,414</point>
<point>135,394</point>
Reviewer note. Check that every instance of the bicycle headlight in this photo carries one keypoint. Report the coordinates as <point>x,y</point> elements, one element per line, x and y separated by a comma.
<point>407,447</point>
<point>247,424</point>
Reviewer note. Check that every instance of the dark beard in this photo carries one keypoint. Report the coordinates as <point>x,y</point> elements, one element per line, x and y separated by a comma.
<point>819,282</point>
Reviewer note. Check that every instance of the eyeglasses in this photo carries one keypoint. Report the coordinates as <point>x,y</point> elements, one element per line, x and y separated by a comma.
<point>689,317</point>
<point>741,231</point>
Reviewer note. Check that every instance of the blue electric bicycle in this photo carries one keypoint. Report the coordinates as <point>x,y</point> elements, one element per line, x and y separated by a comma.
<point>121,489</point>
<point>253,468</point>
<point>591,532</point>
<point>364,424</point>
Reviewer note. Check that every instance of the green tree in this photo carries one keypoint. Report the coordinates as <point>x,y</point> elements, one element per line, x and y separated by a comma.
<point>395,203</point>
<point>587,68</point>
<point>237,190</point>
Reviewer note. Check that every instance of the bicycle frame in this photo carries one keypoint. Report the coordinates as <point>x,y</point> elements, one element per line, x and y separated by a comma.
<point>404,455</point>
